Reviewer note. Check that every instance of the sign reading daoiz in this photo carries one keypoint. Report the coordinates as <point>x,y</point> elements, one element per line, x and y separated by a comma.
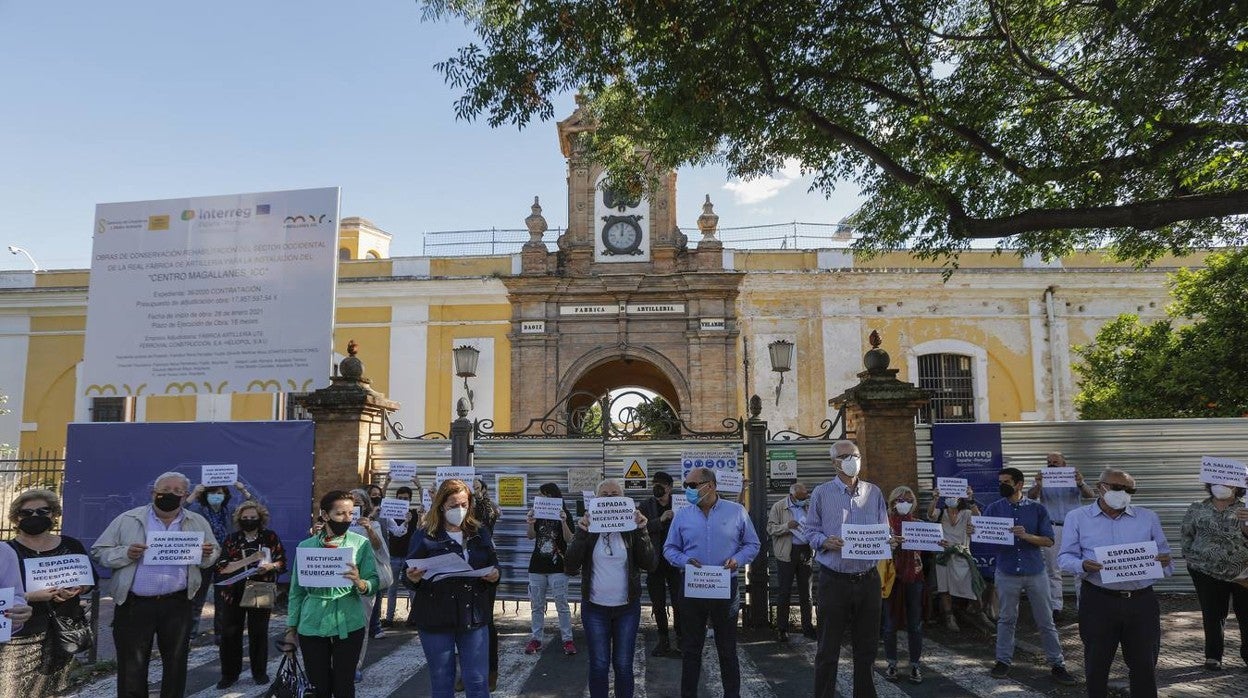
<point>215,294</point>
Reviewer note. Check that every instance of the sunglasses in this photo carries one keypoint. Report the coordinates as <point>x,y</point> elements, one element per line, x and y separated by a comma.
<point>27,513</point>
<point>1117,488</point>
<point>694,485</point>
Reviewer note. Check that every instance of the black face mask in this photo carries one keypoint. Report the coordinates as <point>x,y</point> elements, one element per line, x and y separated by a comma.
<point>1006,490</point>
<point>249,524</point>
<point>34,525</point>
<point>337,527</point>
<point>168,502</point>
<point>376,501</point>
<point>659,490</point>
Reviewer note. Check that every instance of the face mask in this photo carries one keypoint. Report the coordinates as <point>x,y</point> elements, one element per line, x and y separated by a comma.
<point>1116,500</point>
<point>951,502</point>
<point>249,524</point>
<point>691,494</point>
<point>903,507</point>
<point>799,503</point>
<point>216,499</point>
<point>850,466</point>
<point>337,527</point>
<point>1006,490</point>
<point>34,525</point>
<point>376,501</point>
<point>659,490</point>
<point>168,502</point>
<point>1222,492</point>
<point>456,516</point>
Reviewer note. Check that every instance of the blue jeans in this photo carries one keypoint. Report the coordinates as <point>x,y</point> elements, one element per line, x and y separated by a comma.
<point>473,648</point>
<point>611,633</point>
<point>913,599</point>
<point>398,566</point>
<point>1009,587</point>
<point>557,583</point>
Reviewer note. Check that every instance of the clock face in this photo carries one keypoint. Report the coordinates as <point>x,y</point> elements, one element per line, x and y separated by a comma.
<point>621,235</point>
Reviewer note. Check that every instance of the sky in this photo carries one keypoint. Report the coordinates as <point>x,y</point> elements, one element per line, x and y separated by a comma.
<point>141,100</point>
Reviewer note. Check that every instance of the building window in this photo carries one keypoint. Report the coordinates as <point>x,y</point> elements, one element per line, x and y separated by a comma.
<point>951,380</point>
<point>344,253</point>
<point>291,407</point>
<point>112,409</point>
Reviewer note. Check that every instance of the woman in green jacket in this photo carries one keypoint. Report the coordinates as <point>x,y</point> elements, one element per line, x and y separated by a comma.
<point>328,623</point>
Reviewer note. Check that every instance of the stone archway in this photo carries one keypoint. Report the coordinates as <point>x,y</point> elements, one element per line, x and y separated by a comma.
<point>601,371</point>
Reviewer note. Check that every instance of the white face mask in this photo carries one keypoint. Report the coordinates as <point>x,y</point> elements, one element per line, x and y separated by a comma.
<point>903,507</point>
<point>850,466</point>
<point>456,516</point>
<point>1116,500</point>
<point>951,502</point>
<point>1222,492</point>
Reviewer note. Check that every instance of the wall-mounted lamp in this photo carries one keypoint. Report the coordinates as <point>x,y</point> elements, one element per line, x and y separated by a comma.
<point>14,249</point>
<point>466,366</point>
<point>781,352</point>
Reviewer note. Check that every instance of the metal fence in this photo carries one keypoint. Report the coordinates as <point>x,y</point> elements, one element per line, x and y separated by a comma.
<point>44,469</point>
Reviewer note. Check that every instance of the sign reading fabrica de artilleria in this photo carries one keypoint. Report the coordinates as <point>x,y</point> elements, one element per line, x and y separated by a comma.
<point>212,295</point>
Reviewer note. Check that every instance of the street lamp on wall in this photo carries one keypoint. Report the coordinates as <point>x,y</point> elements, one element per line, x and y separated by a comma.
<point>466,366</point>
<point>781,352</point>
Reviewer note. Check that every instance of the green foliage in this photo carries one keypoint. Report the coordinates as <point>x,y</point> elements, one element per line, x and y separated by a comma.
<point>1057,124</point>
<point>658,419</point>
<point>1194,364</point>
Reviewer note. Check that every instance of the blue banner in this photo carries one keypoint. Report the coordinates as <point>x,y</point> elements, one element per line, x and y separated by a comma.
<point>110,466</point>
<point>972,451</point>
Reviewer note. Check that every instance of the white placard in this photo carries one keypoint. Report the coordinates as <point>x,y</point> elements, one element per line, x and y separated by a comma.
<point>994,530</point>
<point>426,500</point>
<point>547,508</point>
<point>395,508</point>
<point>447,472</point>
<point>729,482</point>
<point>1223,471</point>
<point>249,572</point>
<point>219,475</point>
<point>59,572</point>
<point>708,582</point>
<point>355,515</point>
<point>213,294</point>
<point>174,548</point>
<point>402,471</point>
<point>921,535</point>
<point>322,568</point>
<point>712,324</point>
<point>1056,477</point>
<point>6,625</point>
<point>866,542</point>
<point>612,514</point>
<point>720,459</point>
<point>952,486</point>
<point>440,564</point>
<point>588,496</point>
<point>1129,562</point>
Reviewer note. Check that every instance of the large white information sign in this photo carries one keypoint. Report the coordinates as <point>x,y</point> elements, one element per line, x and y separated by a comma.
<point>866,542</point>
<point>213,294</point>
<point>323,567</point>
<point>1132,561</point>
<point>59,572</point>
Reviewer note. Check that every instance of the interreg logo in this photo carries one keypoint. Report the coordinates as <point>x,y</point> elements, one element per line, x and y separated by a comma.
<point>221,213</point>
<point>188,214</point>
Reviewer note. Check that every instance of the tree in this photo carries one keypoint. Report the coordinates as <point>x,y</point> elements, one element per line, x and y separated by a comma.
<point>1057,124</point>
<point>1194,364</point>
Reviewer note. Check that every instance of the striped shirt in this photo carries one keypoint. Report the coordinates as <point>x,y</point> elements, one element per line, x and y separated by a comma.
<point>158,580</point>
<point>833,504</point>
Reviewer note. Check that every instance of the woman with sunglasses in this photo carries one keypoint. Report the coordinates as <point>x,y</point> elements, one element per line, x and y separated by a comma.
<point>611,595</point>
<point>30,667</point>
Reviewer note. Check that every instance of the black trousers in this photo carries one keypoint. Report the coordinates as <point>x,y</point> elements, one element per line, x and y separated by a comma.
<point>1107,620</point>
<point>1216,599</point>
<point>797,567</point>
<point>853,602</point>
<point>721,613</point>
<point>330,662</point>
<point>662,582</point>
<point>233,620</point>
<point>135,623</point>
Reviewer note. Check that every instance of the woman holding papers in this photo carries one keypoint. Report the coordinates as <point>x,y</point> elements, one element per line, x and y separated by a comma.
<point>956,573</point>
<point>611,595</point>
<point>256,550</point>
<point>1216,551</point>
<point>904,601</point>
<point>34,664</point>
<point>453,606</point>
<point>327,622</point>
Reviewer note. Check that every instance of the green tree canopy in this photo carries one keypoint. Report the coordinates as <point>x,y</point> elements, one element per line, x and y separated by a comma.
<point>1194,364</point>
<point>1057,124</point>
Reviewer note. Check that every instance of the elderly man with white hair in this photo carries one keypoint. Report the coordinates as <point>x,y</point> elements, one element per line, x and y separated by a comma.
<point>793,555</point>
<point>153,600</point>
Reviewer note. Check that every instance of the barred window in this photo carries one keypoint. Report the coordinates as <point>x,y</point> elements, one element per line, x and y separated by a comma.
<point>112,409</point>
<point>951,382</point>
<point>291,407</point>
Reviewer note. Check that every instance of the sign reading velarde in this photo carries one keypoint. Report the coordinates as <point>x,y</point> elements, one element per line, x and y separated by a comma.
<point>212,295</point>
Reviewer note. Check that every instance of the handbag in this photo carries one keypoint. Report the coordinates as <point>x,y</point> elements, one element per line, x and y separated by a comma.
<point>68,634</point>
<point>290,680</point>
<point>258,594</point>
<point>385,576</point>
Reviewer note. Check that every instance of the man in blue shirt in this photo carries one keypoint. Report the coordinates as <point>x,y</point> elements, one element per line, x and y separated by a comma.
<point>1058,501</point>
<point>714,532</point>
<point>1116,612</point>
<point>1021,566</point>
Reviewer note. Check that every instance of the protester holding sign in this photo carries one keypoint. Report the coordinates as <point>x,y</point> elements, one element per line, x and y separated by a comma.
<point>248,602</point>
<point>718,533</point>
<point>904,601</point>
<point>956,572</point>
<point>56,570</point>
<point>328,623</point>
<point>452,614</point>
<point>399,540</point>
<point>664,582</point>
<point>611,595</point>
<point>212,501</point>
<point>1125,612</point>
<point>1021,567</point>
<point>546,571</point>
<point>13,615</point>
<point>153,599</point>
<point>793,555</point>
<point>1215,545</point>
<point>1059,499</point>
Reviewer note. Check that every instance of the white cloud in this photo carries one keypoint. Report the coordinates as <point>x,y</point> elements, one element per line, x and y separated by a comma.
<point>753,191</point>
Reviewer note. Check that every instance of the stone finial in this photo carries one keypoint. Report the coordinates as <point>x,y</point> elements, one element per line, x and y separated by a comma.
<point>351,367</point>
<point>536,224</point>
<point>708,221</point>
<point>876,360</point>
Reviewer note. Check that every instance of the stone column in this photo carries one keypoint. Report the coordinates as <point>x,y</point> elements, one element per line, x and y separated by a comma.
<point>346,416</point>
<point>880,411</point>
